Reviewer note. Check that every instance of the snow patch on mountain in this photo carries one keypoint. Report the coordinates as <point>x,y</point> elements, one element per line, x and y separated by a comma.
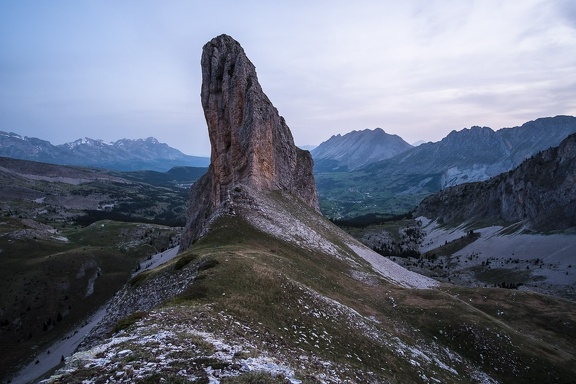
<point>88,142</point>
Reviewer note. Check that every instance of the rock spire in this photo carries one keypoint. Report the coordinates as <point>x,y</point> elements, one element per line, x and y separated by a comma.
<point>251,143</point>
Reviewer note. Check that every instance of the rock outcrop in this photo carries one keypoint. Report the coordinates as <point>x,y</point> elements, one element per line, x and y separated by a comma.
<point>251,143</point>
<point>541,192</point>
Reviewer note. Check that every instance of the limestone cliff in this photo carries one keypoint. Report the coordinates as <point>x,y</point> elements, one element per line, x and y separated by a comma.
<point>251,143</point>
<point>541,192</point>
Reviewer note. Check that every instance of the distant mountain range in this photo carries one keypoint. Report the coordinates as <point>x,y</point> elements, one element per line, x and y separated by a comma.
<point>398,184</point>
<point>540,192</point>
<point>357,149</point>
<point>477,153</point>
<point>121,155</point>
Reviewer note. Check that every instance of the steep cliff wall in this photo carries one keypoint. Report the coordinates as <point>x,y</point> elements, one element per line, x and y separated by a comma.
<point>251,143</point>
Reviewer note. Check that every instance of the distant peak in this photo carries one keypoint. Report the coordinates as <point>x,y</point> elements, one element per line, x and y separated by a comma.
<point>86,141</point>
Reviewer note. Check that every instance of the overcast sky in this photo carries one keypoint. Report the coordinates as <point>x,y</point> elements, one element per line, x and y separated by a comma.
<point>419,69</point>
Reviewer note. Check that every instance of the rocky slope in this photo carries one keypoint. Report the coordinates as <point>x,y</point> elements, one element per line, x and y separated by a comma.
<point>541,193</point>
<point>276,293</point>
<point>251,143</point>
<point>357,149</point>
<point>123,155</point>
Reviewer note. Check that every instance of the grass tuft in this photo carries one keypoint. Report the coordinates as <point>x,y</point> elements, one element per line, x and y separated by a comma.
<point>127,321</point>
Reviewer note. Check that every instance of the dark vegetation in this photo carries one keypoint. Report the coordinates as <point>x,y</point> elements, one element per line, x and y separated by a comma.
<point>347,195</point>
<point>120,214</point>
<point>184,261</point>
<point>49,286</point>
<point>182,177</point>
<point>400,234</point>
<point>127,321</point>
<point>451,247</point>
<point>139,204</point>
<point>71,237</point>
<point>368,219</point>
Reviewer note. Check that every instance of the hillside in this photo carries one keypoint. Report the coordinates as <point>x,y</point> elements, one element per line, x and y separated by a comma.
<point>53,277</point>
<point>357,149</point>
<point>62,195</point>
<point>398,184</point>
<point>513,231</point>
<point>475,254</point>
<point>274,292</point>
<point>121,155</point>
<point>540,193</point>
<point>70,237</point>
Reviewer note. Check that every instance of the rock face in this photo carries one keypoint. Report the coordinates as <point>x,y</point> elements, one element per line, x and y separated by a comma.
<point>251,143</point>
<point>541,192</point>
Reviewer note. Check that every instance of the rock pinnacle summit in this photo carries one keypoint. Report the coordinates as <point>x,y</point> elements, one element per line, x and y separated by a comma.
<point>251,143</point>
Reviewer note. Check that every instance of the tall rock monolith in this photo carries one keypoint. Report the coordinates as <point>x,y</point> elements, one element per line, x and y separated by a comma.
<point>251,143</point>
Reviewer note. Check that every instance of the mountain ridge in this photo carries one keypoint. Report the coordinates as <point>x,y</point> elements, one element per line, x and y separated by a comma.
<point>120,155</point>
<point>540,192</point>
<point>482,148</point>
<point>472,154</point>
